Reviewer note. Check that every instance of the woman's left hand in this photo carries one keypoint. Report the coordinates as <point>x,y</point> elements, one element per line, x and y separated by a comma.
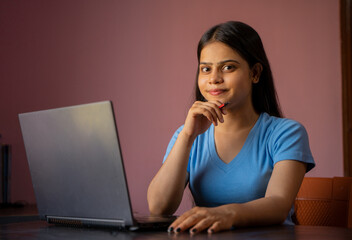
<point>200,218</point>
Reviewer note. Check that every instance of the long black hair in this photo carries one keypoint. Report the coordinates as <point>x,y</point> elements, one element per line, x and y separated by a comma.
<point>247,43</point>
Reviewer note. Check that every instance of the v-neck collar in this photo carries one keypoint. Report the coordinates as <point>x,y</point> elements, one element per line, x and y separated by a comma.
<point>243,152</point>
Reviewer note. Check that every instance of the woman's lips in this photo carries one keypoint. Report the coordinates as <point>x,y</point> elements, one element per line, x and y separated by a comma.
<point>216,92</point>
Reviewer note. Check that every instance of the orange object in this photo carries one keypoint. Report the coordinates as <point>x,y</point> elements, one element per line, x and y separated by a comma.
<point>324,202</point>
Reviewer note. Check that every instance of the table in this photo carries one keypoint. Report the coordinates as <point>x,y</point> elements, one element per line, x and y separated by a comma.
<point>42,230</point>
<point>12,214</point>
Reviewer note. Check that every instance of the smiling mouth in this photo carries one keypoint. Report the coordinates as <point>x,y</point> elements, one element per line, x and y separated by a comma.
<point>216,92</point>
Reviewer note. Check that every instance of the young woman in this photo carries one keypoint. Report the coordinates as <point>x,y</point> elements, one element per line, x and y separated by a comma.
<point>243,162</point>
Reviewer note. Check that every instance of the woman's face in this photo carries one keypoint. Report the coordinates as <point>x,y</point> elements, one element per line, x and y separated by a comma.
<point>225,76</point>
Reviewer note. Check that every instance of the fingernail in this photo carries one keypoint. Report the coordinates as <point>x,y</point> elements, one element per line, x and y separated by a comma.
<point>193,230</point>
<point>210,231</point>
<point>178,229</point>
<point>170,229</point>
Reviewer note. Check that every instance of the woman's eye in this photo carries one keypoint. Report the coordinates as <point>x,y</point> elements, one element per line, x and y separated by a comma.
<point>205,69</point>
<point>228,68</point>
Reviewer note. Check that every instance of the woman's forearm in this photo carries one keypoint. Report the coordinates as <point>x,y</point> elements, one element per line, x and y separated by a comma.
<point>264,211</point>
<point>166,189</point>
<point>260,212</point>
<point>281,192</point>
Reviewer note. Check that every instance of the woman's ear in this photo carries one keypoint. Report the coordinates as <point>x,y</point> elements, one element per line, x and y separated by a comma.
<point>256,71</point>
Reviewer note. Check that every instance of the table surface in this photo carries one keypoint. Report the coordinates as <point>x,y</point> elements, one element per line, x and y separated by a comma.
<point>42,230</point>
<point>12,214</point>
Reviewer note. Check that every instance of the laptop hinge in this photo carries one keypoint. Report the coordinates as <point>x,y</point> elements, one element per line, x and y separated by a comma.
<point>75,221</point>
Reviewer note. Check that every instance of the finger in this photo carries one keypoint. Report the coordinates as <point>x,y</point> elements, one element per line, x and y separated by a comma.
<point>201,225</point>
<point>177,222</point>
<point>180,219</point>
<point>223,108</point>
<point>203,109</point>
<point>206,112</point>
<point>215,110</point>
<point>212,106</point>
<point>210,116</point>
<point>190,222</point>
<point>192,217</point>
<point>206,109</point>
<point>224,111</point>
<point>217,227</point>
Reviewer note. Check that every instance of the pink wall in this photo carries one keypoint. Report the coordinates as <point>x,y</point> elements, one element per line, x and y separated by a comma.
<point>141,55</point>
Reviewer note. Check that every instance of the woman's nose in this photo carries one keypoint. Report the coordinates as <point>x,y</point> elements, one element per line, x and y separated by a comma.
<point>215,77</point>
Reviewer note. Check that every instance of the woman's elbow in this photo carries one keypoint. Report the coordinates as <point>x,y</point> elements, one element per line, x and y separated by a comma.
<point>154,211</point>
<point>282,215</point>
<point>158,209</point>
<point>282,218</point>
<point>157,206</point>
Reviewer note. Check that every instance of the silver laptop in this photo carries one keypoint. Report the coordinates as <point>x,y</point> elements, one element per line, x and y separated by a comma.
<point>77,168</point>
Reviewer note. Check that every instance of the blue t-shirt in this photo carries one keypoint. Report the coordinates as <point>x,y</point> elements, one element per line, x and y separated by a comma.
<point>214,182</point>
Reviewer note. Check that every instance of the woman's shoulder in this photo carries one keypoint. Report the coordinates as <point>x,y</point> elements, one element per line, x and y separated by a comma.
<point>280,128</point>
<point>287,139</point>
<point>279,123</point>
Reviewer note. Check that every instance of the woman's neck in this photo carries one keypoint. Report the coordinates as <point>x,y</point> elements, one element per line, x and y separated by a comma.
<point>238,120</point>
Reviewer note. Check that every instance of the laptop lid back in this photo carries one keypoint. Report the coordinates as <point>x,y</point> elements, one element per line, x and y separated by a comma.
<point>76,164</point>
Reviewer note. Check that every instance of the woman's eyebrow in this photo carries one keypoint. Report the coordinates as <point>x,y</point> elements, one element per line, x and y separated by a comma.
<point>221,62</point>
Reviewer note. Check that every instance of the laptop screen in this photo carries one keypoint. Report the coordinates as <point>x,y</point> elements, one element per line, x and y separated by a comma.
<point>76,163</point>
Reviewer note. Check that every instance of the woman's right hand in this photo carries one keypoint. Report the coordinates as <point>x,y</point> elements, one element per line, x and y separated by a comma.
<point>201,115</point>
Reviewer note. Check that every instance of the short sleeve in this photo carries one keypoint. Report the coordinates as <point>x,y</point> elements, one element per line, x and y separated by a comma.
<point>290,142</point>
<point>172,142</point>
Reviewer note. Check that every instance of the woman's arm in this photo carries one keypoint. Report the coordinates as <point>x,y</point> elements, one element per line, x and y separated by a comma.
<point>166,189</point>
<point>281,192</point>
